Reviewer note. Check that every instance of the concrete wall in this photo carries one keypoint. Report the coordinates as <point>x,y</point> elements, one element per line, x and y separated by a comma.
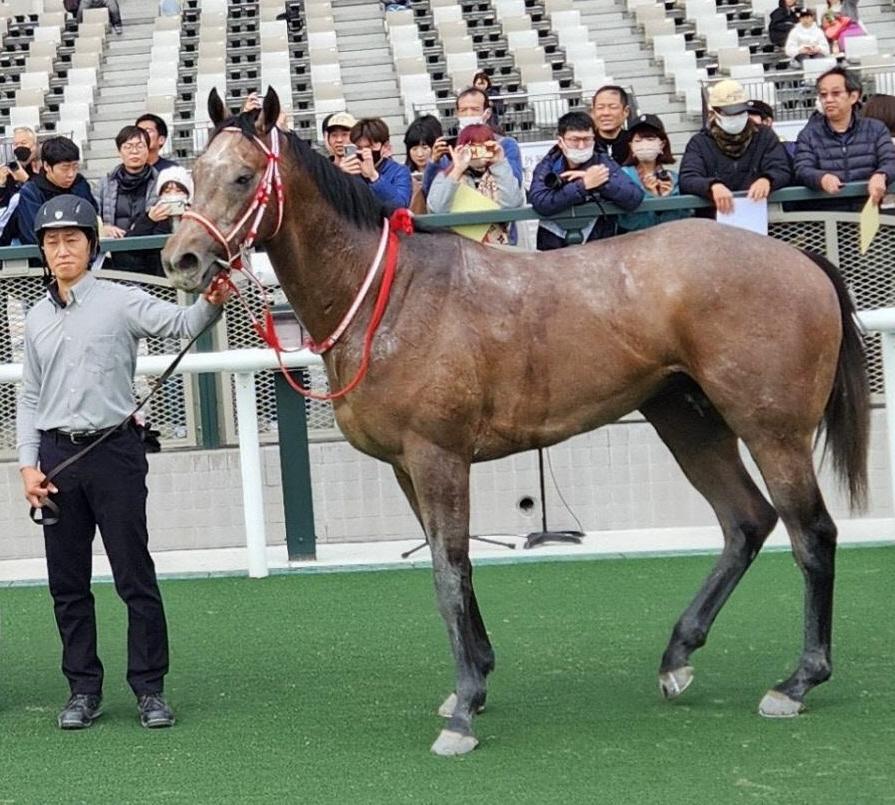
<point>617,478</point>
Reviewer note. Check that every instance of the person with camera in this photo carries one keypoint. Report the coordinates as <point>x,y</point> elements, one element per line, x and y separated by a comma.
<point>575,172</point>
<point>646,166</point>
<point>24,166</point>
<point>479,163</point>
<point>369,157</point>
<point>732,154</point>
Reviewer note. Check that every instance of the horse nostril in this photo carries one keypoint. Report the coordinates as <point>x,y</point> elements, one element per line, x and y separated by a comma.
<point>187,263</point>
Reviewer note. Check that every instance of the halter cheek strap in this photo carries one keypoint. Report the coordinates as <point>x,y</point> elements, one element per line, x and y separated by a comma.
<point>270,182</point>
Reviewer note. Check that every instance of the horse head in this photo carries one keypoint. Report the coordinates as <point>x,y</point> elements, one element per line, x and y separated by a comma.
<point>237,199</point>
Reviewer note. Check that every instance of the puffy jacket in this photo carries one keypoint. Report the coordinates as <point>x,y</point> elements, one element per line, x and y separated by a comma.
<point>108,195</point>
<point>704,164</point>
<point>783,20</point>
<point>549,195</point>
<point>854,155</point>
<point>38,190</point>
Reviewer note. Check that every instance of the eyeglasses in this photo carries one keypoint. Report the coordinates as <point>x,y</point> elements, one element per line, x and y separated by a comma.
<point>580,142</point>
<point>133,148</point>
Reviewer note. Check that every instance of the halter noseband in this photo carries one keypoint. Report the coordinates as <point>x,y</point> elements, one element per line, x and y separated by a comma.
<point>270,180</point>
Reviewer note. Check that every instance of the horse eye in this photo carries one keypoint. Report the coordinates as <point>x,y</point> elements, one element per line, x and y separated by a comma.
<point>244,179</point>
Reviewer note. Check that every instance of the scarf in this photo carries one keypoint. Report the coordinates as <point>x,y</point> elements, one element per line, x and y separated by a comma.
<point>732,145</point>
<point>131,182</point>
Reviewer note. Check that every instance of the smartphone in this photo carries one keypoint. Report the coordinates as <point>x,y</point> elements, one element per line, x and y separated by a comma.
<point>176,207</point>
<point>451,141</point>
<point>350,150</point>
<point>663,175</point>
<point>13,166</point>
<point>480,151</point>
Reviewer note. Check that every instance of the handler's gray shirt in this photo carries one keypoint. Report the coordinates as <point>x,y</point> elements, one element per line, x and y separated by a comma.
<point>80,360</point>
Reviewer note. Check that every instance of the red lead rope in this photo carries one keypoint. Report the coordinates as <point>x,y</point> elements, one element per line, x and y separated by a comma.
<point>400,221</point>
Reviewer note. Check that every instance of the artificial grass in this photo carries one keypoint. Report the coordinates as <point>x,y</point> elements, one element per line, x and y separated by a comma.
<point>323,689</point>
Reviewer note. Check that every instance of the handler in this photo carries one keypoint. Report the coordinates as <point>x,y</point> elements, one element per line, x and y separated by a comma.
<point>80,355</point>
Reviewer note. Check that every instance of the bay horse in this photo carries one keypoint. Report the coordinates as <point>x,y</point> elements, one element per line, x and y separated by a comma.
<point>715,334</point>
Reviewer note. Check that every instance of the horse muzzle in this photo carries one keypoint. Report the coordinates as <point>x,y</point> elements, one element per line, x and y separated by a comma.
<point>189,269</point>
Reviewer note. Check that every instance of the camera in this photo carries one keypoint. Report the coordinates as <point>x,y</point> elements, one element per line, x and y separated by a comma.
<point>663,175</point>
<point>350,150</point>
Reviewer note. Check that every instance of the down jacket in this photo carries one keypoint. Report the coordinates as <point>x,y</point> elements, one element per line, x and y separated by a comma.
<point>854,155</point>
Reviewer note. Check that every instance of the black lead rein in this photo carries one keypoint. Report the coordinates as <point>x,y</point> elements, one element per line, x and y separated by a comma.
<point>54,515</point>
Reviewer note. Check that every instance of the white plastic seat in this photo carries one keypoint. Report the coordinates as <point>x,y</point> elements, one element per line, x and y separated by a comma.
<point>408,49</point>
<point>325,73</point>
<point>565,19</point>
<point>716,40</point>
<point>859,47</point>
<point>86,60</point>
<point>744,71</point>
<point>24,116</point>
<point>573,36</point>
<point>675,63</point>
<point>509,8</point>
<point>166,38</point>
<point>536,73</point>
<point>412,66</point>
<point>30,96</point>
<point>39,81</point>
<point>521,23</point>
<point>446,14</point>
<point>96,15</point>
<point>403,33</point>
<point>82,75</point>
<point>672,43</point>
<point>522,39</point>
<point>79,93</point>
<point>728,57</point>
<point>658,27</point>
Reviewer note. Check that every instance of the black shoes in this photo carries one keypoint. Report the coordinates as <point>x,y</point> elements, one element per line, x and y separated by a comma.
<point>80,712</point>
<point>154,711</point>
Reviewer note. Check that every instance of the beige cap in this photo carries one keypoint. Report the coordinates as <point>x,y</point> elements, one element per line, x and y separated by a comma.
<point>340,120</point>
<point>728,96</point>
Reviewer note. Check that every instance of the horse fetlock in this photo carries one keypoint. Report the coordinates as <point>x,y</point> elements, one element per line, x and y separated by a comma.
<point>449,705</point>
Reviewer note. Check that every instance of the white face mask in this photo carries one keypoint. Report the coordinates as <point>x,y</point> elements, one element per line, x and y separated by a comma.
<point>463,122</point>
<point>578,156</point>
<point>732,124</point>
<point>647,151</point>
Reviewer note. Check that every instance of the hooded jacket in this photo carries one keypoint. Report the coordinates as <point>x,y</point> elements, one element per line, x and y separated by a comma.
<point>33,195</point>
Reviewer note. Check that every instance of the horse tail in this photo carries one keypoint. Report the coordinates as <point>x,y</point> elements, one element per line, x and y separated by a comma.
<point>846,420</point>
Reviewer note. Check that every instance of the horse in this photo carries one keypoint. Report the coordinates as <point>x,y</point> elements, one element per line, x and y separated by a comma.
<point>716,335</point>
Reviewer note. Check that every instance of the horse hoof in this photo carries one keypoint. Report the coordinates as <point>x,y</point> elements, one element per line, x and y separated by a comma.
<point>673,683</point>
<point>451,743</point>
<point>778,705</point>
<point>446,710</point>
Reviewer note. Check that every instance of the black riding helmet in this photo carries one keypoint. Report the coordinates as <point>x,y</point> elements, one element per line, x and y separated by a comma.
<point>67,211</point>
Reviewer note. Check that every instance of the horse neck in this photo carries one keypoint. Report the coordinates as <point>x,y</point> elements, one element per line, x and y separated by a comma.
<point>320,258</point>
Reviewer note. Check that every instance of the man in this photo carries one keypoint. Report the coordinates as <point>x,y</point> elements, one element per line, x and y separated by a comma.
<point>574,172</point>
<point>60,159</point>
<point>839,146</point>
<point>337,134</point>
<point>390,181</point>
<point>128,191</point>
<point>473,107</point>
<point>762,114</point>
<point>81,344</point>
<point>112,5</point>
<point>25,166</point>
<point>610,110</point>
<point>157,130</point>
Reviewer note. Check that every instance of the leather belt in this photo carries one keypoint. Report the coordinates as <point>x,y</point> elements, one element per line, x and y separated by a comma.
<point>80,436</point>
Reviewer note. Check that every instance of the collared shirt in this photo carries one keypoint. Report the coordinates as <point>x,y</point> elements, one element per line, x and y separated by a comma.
<point>80,359</point>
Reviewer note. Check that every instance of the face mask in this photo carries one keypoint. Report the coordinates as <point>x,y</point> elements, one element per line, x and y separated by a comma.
<point>578,156</point>
<point>732,124</point>
<point>647,151</point>
<point>463,122</point>
<point>22,154</point>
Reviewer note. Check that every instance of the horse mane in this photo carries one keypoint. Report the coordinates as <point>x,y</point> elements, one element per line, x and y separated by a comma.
<point>350,198</point>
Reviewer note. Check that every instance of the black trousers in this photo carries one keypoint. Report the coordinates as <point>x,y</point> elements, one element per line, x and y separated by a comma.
<point>105,489</point>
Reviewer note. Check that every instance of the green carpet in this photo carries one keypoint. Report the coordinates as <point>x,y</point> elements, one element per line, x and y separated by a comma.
<point>323,689</point>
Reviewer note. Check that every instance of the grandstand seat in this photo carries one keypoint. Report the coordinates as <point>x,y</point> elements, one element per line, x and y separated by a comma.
<point>30,96</point>
<point>47,47</point>
<point>814,67</point>
<point>22,116</point>
<point>79,93</point>
<point>168,24</point>
<point>746,71</point>
<point>522,39</point>
<point>649,13</point>
<point>319,25</point>
<point>446,14</point>
<point>658,27</point>
<point>94,30</point>
<point>96,15</point>
<point>727,57</point>
<point>509,24</point>
<point>857,48</point>
<point>717,39</point>
<point>674,63</point>
<point>86,60</point>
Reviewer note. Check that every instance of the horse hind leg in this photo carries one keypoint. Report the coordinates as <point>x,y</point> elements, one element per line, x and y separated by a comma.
<point>788,471</point>
<point>440,483</point>
<point>484,653</point>
<point>706,450</point>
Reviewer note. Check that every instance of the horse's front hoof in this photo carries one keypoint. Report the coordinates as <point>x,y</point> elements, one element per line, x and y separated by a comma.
<point>673,683</point>
<point>778,705</point>
<point>446,710</point>
<point>451,743</point>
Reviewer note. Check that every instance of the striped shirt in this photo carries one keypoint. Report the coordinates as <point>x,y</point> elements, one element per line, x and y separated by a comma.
<point>80,359</point>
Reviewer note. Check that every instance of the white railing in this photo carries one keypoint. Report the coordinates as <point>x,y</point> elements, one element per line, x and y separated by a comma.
<point>243,363</point>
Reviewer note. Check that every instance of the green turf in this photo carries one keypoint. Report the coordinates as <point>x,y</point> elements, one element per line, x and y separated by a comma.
<point>323,689</point>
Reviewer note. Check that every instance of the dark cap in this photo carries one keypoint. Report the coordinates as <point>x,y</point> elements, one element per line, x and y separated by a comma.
<point>764,110</point>
<point>647,121</point>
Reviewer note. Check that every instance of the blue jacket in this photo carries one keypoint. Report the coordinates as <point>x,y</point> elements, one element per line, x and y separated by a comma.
<point>394,185</point>
<point>854,155</point>
<point>641,220</point>
<point>35,193</point>
<point>549,195</point>
<point>510,151</point>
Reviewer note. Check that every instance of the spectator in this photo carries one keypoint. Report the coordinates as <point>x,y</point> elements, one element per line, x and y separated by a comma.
<point>157,130</point>
<point>882,107</point>
<point>650,153</point>
<point>839,21</point>
<point>482,81</point>
<point>610,110</point>
<point>806,40</point>
<point>473,107</point>
<point>389,180</point>
<point>24,166</point>
<point>419,138</point>
<point>732,154</point>
<point>60,159</point>
<point>575,172</point>
<point>336,134</point>
<point>783,19</point>
<point>479,162</point>
<point>174,189</point>
<point>762,114</point>
<point>127,191</point>
<point>839,146</point>
<point>112,5</point>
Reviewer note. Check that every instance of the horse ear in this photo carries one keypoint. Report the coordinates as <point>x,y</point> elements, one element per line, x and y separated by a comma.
<point>270,111</point>
<point>216,111</point>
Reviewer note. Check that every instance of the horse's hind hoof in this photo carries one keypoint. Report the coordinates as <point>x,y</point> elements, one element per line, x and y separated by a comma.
<point>451,743</point>
<point>446,710</point>
<point>778,705</point>
<point>673,683</point>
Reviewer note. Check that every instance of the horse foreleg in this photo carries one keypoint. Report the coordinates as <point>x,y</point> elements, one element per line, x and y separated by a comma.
<point>440,482</point>
<point>706,450</point>
<point>789,474</point>
<point>484,651</point>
